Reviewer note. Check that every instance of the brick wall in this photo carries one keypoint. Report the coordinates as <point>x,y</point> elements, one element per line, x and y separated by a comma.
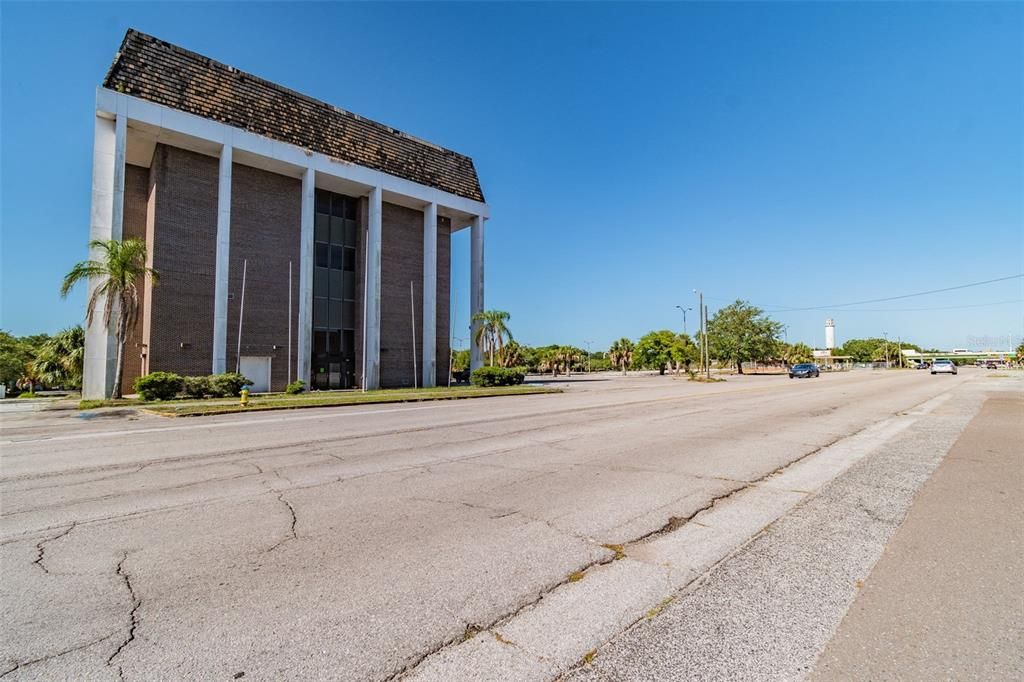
<point>136,197</point>
<point>182,234</point>
<point>266,216</point>
<point>402,262</point>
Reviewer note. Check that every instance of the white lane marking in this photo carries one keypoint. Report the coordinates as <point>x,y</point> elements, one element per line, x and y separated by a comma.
<point>243,422</point>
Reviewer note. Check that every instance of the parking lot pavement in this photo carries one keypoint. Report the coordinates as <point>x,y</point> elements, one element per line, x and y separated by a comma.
<point>943,603</point>
<point>352,543</point>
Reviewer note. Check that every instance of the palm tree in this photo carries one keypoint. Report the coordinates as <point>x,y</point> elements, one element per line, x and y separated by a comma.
<point>59,360</point>
<point>512,355</point>
<point>492,331</point>
<point>621,354</point>
<point>118,274</point>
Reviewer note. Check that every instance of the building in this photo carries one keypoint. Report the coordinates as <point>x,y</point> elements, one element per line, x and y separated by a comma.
<point>292,239</point>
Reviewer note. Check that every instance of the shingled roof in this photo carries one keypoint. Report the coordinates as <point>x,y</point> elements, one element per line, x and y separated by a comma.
<point>160,72</point>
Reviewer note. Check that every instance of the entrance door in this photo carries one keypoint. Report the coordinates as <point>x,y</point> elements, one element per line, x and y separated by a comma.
<point>256,369</point>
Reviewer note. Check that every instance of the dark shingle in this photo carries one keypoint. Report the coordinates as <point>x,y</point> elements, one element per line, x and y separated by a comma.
<point>163,73</point>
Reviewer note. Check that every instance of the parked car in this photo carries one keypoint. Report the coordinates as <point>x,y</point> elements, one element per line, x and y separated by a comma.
<point>924,364</point>
<point>804,370</point>
<point>943,366</point>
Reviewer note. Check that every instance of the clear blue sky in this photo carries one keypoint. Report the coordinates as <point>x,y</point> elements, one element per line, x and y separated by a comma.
<point>790,154</point>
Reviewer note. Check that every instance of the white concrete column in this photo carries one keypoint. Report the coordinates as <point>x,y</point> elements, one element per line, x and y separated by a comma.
<point>220,282</point>
<point>476,287</point>
<point>106,221</point>
<point>371,303</point>
<point>305,335</point>
<point>430,295</point>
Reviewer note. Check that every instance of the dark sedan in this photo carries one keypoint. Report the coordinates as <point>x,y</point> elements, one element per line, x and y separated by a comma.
<point>804,371</point>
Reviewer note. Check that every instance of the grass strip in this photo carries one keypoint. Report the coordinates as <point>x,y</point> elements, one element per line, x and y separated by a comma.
<point>199,408</point>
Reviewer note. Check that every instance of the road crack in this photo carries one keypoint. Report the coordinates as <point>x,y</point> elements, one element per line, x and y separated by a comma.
<point>133,615</point>
<point>291,535</point>
<point>41,546</point>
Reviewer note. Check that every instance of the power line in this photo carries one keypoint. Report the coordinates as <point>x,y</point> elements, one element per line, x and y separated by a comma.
<point>895,298</point>
<point>944,307</point>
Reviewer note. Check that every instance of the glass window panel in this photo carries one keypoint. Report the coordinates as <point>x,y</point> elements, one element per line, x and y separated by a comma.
<point>349,342</point>
<point>322,252</point>
<point>350,259</point>
<point>320,282</point>
<point>334,342</point>
<point>336,290</point>
<point>319,342</point>
<point>337,230</point>
<point>350,314</point>
<point>323,201</point>
<point>335,316</point>
<point>350,285</point>
<point>338,205</point>
<point>350,233</point>
<point>319,312</point>
<point>350,209</point>
<point>321,232</point>
<point>336,256</point>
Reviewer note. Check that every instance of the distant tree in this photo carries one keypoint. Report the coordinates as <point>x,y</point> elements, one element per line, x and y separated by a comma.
<point>1020,352</point>
<point>60,359</point>
<point>513,355</point>
<point>684,352</point>
<point>621,354</point>
<point>15,353</point>
<point>654,350</point>
<point>118,274</point>
<point>460,360</point>
<point>741,332</point>
<point>492,332</point>
<point>795,353</point>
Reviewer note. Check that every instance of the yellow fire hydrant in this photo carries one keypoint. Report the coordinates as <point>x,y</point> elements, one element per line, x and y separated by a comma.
<point>244,400</point>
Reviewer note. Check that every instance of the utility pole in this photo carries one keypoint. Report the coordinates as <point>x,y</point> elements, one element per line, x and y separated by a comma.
<point>703,335</point>
<point>885,335</point>
<point>707,351</point>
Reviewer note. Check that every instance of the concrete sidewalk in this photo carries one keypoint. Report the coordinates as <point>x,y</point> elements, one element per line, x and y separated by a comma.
<point>945,600</point>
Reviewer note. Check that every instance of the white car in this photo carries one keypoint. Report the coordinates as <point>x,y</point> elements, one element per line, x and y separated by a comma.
<point>943,366</point>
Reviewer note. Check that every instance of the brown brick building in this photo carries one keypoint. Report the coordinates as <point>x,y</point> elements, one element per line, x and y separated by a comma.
<point>293,239</point>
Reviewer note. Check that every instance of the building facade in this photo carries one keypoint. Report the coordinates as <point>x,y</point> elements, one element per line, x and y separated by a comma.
<point>292,239</point>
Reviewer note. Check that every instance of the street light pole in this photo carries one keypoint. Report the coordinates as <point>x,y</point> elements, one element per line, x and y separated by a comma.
<point>684,316</point>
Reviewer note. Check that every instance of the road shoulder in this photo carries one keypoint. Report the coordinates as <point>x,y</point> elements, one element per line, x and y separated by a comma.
<point>944,601</point>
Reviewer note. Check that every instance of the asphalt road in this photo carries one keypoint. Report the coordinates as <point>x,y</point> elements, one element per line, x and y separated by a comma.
<point>352,543</point>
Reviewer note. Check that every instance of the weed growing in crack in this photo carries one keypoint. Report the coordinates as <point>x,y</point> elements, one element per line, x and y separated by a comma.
<point>619,550</point>
<point>660,607</point>
<point>575,576</point>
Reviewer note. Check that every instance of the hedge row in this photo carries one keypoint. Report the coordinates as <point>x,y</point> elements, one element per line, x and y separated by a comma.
<point>498,376</point>
<point>167,385</point>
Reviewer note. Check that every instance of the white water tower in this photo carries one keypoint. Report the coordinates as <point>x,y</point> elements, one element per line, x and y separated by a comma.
<point>830,334</point>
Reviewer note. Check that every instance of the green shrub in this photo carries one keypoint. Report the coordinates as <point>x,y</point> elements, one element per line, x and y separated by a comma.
<point>27,394</point>
<point>158,386</point>
<point>295,388</point>
<point>498,376</point>
<point>196,387</point>
<point>227,384</point>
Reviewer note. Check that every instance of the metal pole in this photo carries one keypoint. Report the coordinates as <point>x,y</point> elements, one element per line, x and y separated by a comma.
<point>451,333</point>
<point>289,322</point>
<point>707,352</point>
<point>241,312</point>
<point>412,309</point>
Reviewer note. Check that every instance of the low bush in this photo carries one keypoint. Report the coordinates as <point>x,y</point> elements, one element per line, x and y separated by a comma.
<point>27,394</point>
<point>498,376</point>
<point>196,387</point>
<point>295,388</point>
<point>227,384</point>
<point>158,385</point>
